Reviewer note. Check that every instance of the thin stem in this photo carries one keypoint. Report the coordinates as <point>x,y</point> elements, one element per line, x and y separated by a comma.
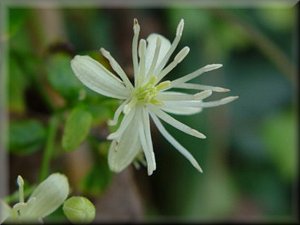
<point>265,44</point>
<point>53,124</point>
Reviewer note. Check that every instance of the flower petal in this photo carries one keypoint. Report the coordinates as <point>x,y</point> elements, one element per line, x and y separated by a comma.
<point>5,211</point>
<point>173,141</point>
<point>164,48</point>
<point>122,152</point>
<point>179,110</point>
<point>96,77</point>
<point>177,124</point>
<point>47,197</point>
<point>146,141</point>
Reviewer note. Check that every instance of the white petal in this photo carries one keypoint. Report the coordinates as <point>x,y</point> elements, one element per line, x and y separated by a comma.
<point>175,123</point>
<point>164,47</point>
<point>194,74</point>
<point>123,126</point>
<point>96,77</point>
<point>117,114</point>
<point>5,211</point>
<point>47,197</point>
<point>136,31</point>
<point>173,141</point>
<point>122,152</point>
<point>179,96</point>
<point>200,87</point>
<point>117,68</point>
<point>178,110</point>
<point>146,141</point>
<point>173,46</point>
<point>177,59</point>
<point>222,101</point>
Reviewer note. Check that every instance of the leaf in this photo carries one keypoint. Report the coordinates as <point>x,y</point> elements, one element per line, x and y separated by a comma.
<point>17,85</point>
<point>26,137</point>
<point>76,129</point>
<point>62,78</point>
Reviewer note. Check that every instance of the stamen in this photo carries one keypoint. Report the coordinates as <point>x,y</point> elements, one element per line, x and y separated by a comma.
<point>20,182</point>
<point>116,67</point>
<point>163,85</point>
<point>136,30</point>
<point>172,48</point>
<point>178,58</point>
<point>155,57</point>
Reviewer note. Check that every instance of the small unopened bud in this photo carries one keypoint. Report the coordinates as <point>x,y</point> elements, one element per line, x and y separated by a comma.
<point>79,210</point>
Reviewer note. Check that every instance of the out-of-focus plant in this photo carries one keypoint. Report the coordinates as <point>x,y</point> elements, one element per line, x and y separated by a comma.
<point>44,200</point>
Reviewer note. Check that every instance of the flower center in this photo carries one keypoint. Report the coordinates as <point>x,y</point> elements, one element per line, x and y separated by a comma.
<point>146,94</point>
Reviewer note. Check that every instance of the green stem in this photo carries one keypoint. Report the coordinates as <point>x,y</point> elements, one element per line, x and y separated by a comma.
<point>53,124</point>
<point>265,44</point>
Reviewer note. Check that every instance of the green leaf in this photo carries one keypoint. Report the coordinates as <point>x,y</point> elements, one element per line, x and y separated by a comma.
<point>76,129</point>
<point>26,137</point>
<point>17,85</point>
<point>62,78</point>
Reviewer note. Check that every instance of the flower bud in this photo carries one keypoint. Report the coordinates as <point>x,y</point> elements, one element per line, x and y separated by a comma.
<point>79,210</point>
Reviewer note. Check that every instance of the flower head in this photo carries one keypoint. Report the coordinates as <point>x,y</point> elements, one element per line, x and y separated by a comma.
<point>149,96</point>
<point>44,200</point>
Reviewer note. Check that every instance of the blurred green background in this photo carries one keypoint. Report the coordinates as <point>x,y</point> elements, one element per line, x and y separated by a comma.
<point>249,156</point>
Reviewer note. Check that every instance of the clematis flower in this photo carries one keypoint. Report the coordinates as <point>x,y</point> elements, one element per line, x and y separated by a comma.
<point>149,97</point>
<point>44,200</point>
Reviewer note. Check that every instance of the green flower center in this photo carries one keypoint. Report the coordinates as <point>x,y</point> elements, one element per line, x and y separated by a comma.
<point>147,93</point>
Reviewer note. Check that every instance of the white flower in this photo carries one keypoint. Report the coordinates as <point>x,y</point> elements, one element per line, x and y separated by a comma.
<point>44,200</point>
<point>148,97</point>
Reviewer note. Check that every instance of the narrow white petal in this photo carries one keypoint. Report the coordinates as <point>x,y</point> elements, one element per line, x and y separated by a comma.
<point>47,197</point>
<point>151,56</point>
<point>136,30</point>
<point>157,48</point>
<point>200,87</point>
<point>174,109</point>
<point>188,103</point>
<point>175,123</point>
<point>116,67</point>
<point>218,102</point>
<point>194,74</point>
<point>122,152</point>
<point>117,114</point>
<point>123,126</point>
<point>173,141</point>
<point>146,141</point>
<point>96,77</point>
<point>174,96</point>
<point>179,96</point>
<point>141,74</point>
<point>164,61</point>
<point>178,58</point>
